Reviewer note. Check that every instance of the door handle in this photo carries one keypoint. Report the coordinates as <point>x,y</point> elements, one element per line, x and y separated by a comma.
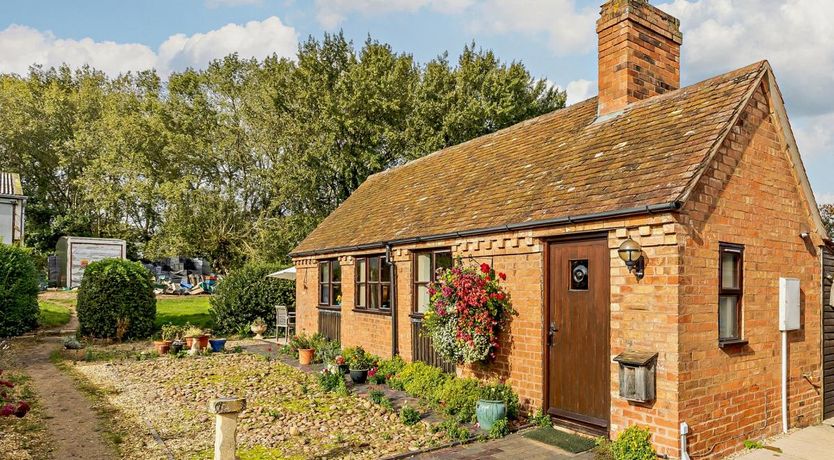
<point>551,331</point>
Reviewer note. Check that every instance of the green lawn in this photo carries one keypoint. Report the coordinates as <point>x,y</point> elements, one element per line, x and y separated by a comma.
<point>53,313</point>
<point>183,309</point>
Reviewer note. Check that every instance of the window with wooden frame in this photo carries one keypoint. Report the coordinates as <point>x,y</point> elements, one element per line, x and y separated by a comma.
<point>426,264</point>
<point>373,284</point>
<point>330,284</point>
<point>730,292</point>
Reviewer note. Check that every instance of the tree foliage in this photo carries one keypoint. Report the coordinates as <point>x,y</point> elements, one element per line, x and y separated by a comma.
<point>827,212</point>
<point>241,160</point>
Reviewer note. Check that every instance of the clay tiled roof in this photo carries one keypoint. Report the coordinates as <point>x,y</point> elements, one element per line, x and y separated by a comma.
<point>565,163</point>
<point>10,184</point>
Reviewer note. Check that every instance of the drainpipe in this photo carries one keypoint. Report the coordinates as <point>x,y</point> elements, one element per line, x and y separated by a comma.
<point>684,432</point>
<point>784,381</point>
<point>389,257</point>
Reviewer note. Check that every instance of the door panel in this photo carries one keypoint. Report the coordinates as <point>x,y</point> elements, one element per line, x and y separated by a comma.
<point>828,335</point>
<point>578,346</point>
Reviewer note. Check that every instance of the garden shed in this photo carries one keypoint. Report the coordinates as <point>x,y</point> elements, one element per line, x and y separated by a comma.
<point>74,253</point>
<point>674,225</point>
<point>12,208</point>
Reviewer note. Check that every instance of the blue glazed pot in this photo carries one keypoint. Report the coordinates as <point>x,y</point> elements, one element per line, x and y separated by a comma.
<point>488,412</point>
<point>217,345</point>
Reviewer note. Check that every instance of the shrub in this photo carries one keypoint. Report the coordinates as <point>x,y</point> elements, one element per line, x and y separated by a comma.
<point>541,419</point>
<point>502,392</point>
<point>453,430</point>
<point>18,291</point>
<point>376,396</point>
<point>388,368</point>
<point>116,300</point>
<point>409,415</point>
<point>326,350</point>
<point>421,380</point>
<point>499,429</point>
<point>633,444</point>
<point>331,381</point>
<point>246,294</point>
<point>459,397</point>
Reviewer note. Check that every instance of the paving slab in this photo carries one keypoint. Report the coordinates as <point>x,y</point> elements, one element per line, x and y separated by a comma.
<point>812,443</point>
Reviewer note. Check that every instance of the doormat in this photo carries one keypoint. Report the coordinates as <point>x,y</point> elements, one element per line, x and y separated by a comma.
<point>569,442</point>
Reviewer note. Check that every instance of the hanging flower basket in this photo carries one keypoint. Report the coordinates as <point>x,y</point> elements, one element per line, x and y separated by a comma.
<point>468,308</point>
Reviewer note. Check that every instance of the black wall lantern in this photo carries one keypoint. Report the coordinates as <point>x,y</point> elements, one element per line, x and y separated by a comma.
<point>632,254</point>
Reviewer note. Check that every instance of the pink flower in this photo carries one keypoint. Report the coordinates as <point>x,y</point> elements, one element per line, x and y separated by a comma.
<point>503,276</point>
<point>7,410</point>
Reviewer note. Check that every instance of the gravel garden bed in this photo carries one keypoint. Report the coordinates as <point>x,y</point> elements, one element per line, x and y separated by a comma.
<point>288,416</point>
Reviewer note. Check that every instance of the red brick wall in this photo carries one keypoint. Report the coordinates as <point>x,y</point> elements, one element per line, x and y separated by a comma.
<point>748,196</point>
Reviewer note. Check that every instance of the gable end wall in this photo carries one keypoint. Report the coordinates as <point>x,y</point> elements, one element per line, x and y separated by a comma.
<point>749,195</point>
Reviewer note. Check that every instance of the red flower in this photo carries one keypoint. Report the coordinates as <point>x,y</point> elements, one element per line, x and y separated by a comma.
<point>22,409</point>
<point>503,276</point>
<point>372,372</point>
<point>485,268</point>
<point>7,410</point>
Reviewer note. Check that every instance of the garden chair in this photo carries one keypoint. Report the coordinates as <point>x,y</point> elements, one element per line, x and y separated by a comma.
<point>284,319</point>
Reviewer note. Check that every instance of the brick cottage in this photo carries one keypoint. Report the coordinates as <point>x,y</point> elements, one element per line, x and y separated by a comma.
<point>705,180</point>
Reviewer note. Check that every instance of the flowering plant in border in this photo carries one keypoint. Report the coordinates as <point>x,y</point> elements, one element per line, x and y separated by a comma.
<point>7,406</point>
<point>468,308</point>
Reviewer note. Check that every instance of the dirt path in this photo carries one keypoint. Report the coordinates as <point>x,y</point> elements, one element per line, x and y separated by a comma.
<point>71,421</point>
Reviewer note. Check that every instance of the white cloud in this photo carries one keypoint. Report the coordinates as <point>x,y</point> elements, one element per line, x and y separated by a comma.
<point>824,198</point>
<point>567,29</point>
<point>815,136</point>
<point>22,46</point>
<point>579,90</point>
<point>331,13</point>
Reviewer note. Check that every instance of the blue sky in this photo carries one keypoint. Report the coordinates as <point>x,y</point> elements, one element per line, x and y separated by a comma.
<point>554,38</point>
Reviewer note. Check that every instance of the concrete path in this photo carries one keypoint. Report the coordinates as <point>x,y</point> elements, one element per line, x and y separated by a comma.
<point>812,443</point>
<point>512,447</point>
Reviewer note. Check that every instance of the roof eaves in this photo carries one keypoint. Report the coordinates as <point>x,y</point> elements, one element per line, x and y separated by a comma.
<point>673,206</point>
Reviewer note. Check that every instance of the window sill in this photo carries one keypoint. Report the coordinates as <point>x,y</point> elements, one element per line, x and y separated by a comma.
<point>330,308</point>
<point>731,343</point>
<point>372,312</point>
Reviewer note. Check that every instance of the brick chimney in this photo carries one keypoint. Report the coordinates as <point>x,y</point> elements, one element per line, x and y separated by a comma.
<point>639,53</point>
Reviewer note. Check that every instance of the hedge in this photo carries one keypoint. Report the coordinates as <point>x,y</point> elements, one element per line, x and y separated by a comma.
<point>246,294</point>
<point>18,291</point>
<point>116,300</point>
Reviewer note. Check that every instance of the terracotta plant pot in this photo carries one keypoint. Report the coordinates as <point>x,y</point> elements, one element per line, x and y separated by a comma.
<point>203,341</point>
<point>162,346</point>
<point>305,356</point>
<point>359,376</point>
<point>188,341</point>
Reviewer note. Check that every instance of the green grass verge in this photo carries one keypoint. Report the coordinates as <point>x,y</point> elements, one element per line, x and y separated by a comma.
<point>53,314</point>
<point>183,309</point>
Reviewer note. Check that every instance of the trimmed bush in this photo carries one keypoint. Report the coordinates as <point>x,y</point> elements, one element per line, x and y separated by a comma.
<point>116,300</point>
<point>420,380</point>
<point>634,443</point>
<point>459,397</point>
<point>247,294</point>
<point>18,291</point>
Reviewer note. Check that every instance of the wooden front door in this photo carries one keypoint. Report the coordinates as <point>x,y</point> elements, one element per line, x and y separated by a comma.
<point>828,335</point>
<point>577,333</point>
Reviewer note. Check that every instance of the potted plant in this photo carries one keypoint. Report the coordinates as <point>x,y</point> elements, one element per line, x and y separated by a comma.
<point>195,333</point>
<point>258,327</point>
<point>304,346</point>
<point>168,333</point>
<point>359,363</point>
<point>177,346</point>
<point>491,407</point>
<point>343,367</point>
<point>217,345</point>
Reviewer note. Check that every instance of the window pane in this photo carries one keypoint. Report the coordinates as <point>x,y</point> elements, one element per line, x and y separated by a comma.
<point>386,296</point>
<point>374,293</point>
<point>373,263</point>
<point>385,270</point>
<point>424,267</point>
<point>443,260</point>
<point>422,298</point>
<point>728,317</point>
<point>362,301</point>
<point>337,294</point>
<point>324,295</point>
<point>729,270</point>
<point>360,270</point>
<point>324,270</point>
<point>336,271</point>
